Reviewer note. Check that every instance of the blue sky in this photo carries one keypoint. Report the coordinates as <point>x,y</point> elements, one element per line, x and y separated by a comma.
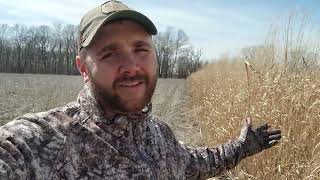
<point>218,27</point>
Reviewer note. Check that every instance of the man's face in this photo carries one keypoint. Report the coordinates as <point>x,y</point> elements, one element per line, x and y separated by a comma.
<point>122,66</point>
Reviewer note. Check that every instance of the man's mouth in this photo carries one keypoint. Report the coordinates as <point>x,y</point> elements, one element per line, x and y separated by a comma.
<point>129,83</point>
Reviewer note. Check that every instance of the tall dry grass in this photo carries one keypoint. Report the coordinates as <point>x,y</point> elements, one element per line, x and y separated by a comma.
<point>289,100</point>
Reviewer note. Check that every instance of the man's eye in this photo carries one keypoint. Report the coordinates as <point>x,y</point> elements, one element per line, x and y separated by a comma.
<point>142,50</point>
<point>108,55</point>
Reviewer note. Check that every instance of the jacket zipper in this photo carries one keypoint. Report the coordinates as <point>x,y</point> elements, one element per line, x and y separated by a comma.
<point>145,159</point>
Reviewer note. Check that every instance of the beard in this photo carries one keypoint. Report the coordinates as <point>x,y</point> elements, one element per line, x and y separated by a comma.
<point>109,100</point>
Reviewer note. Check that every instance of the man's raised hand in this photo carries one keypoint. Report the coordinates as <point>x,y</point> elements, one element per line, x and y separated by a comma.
<point>256,140</point>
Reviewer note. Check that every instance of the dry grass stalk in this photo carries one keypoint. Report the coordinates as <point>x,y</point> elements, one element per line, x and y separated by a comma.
<point>248,79</point>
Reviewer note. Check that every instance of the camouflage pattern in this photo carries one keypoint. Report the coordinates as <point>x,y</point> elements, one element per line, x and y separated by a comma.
<point>78,142</point>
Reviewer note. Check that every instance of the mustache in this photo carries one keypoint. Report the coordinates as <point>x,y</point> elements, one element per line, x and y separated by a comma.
<point>126,78</point>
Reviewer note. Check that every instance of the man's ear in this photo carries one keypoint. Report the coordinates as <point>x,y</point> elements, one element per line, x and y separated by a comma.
<point>83,69</point>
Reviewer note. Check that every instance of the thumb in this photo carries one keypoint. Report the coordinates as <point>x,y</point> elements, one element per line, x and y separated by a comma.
<point>247,126</point>
<point>248,123</point>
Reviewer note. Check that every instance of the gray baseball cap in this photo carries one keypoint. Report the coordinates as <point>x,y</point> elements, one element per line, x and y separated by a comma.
<point>109,11</point>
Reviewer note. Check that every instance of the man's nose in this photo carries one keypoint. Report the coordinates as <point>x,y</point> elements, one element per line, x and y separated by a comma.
<point>130,65</point>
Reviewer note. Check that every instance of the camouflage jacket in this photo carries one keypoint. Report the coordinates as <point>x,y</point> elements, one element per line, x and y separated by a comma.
<point>77,142</point>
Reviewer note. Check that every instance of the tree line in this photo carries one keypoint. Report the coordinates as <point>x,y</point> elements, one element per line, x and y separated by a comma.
<point>51,50</point>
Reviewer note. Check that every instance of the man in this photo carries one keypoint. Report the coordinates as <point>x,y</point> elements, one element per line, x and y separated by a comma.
<point>108,133</point>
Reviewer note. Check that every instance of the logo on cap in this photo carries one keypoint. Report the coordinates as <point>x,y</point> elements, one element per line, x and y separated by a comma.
<point>112,6</point>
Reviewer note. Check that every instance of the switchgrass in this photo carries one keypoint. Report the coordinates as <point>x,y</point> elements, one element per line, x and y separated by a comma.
<point>220,94</point>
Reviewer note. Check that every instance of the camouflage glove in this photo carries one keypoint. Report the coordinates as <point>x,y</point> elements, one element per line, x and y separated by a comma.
<point>256,140</point>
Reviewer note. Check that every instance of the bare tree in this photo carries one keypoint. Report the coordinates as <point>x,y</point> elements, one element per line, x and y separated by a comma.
<point>3,47</point>
<point>173,52</point>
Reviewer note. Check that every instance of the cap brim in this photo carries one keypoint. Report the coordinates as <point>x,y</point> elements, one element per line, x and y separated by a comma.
<point>125,14</point>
